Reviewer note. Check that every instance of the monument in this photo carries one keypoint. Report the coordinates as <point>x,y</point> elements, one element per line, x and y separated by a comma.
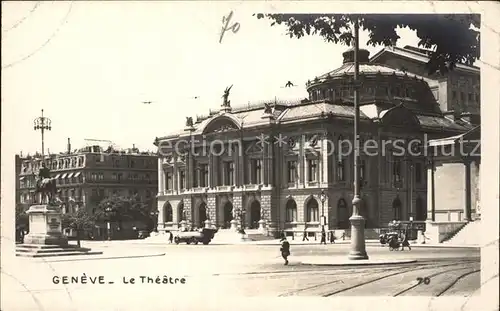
<point>45,218</point>
<point>45,237</point>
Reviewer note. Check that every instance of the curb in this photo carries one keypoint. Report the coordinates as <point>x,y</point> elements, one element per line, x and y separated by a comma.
<point>110,257</point>
<point>359,262</point>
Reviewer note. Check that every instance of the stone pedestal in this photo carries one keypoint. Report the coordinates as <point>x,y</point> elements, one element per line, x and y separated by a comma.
<point>234,225</point>
<point>45,226</point>
<point>262,226</point>
<point>208,224</point>
<point>358,246</point>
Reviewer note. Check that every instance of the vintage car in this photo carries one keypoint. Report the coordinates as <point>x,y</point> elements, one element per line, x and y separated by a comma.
<point>384,237</point>
<point>194,237</point>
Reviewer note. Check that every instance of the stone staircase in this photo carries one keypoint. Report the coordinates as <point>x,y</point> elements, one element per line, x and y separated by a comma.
<point>255,235</point>
<point>35,250</point>
<point>470,234</point>
<point>229,236</point>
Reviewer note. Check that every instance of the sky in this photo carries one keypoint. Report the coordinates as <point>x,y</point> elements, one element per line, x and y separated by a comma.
<point>90,65</point>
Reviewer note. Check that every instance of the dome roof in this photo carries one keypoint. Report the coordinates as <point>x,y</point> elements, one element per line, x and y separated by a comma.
<point>365,67</point>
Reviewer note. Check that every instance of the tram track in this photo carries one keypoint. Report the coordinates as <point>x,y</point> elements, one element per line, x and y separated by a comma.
<point>401,271</point>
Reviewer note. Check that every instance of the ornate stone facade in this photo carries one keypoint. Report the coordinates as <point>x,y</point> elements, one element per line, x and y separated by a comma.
<point>271,161</point>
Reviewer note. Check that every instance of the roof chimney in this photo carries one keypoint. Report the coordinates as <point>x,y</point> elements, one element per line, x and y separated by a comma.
<point>69,145</point>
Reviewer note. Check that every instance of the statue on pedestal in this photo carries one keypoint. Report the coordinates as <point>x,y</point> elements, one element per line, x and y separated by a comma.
<point>45,185</point>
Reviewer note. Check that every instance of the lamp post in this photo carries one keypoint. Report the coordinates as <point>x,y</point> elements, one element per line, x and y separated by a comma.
<point>154,215</point>
<point>358,246</point>
<point>43,124</point>
<point>108,211</point>
<point>242,220</point>
<point>322,197</point>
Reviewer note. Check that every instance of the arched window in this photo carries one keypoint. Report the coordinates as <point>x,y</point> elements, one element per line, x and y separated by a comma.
<point>312,210</point>
<point>343,213</point>
<point>167,212</point>
<point>180,212</point>
<point>396,209</point>
<point>291,210</point>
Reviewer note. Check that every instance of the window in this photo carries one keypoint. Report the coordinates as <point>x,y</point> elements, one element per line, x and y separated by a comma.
<point>168,178</point>
<point>312,211</point>
<point>132,163</point>
<point>204,175</point>
<point>454,95</point>
<point>292,171</point>
<point>312,170</point>
<point>114,176</point>
<point>195,176</point>
<point>396,171</point>
<point>256,171</point>
<point>469,97</point>
<point>229,173</point>
<point>396,209</point>
<point>418,172</point>
<point>119,176</point>
<point>291,211</point>
<point>341,170</point>
<point>182,179</point>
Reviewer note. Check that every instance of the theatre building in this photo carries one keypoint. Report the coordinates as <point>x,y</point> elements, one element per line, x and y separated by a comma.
<point>271,161</point>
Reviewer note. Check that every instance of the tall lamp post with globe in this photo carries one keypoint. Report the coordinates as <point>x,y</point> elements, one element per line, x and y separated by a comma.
<point>322,197</point>
<point>109,212</point>
<point>43,124</point>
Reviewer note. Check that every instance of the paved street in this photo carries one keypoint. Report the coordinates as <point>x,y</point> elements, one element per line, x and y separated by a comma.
<point>234,270</point>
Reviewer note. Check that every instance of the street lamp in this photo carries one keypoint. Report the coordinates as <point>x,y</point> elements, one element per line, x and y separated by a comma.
<point>43,124</point>
<point>322,197</point>
<point>358,246</point>
<point>154,215</point>
<point>242,221</point>
<point>108,211</point>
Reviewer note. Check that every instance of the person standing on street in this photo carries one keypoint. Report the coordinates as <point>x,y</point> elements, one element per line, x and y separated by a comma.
<point>323,237</point>
<point>304,236</point>
<point>405,242</point>
<point>332,237</point>
<point>285,249</point>
<point>170,237</point>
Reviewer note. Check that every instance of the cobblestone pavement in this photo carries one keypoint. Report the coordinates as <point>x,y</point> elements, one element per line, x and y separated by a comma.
<point>231,270</point>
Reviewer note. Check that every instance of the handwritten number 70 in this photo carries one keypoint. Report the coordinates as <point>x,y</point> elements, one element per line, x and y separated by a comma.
<point>425,280</point>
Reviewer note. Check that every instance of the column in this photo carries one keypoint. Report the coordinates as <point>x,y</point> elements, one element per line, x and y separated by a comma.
<point>198,177</point>
<point>190,171</point>
<point>301,172</point>
<point>324,160</point>
<point>264,167</point>
<point>306,171</point>
<point>468,191</point>
<point>174,177</point>
<point>210,170</point>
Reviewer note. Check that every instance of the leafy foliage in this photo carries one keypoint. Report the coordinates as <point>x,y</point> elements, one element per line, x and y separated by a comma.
<point>449,36</point>
<point>22,219</point>
<point>80,220</point>
<point>123,209</point>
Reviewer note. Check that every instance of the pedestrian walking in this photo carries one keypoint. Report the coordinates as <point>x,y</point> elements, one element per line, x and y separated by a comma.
<point>332,237</point>
<point>285,249</point>
<point>405,242</point>
<point>323,237</point>
<point>170,237</point>
<point>304,236</point>
<point>343,236</point>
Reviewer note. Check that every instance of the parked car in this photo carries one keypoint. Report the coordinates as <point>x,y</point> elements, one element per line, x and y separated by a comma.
<point>384,237</point>
<point>194,237</point>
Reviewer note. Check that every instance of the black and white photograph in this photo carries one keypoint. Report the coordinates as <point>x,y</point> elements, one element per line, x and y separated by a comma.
<point>213,155</point>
